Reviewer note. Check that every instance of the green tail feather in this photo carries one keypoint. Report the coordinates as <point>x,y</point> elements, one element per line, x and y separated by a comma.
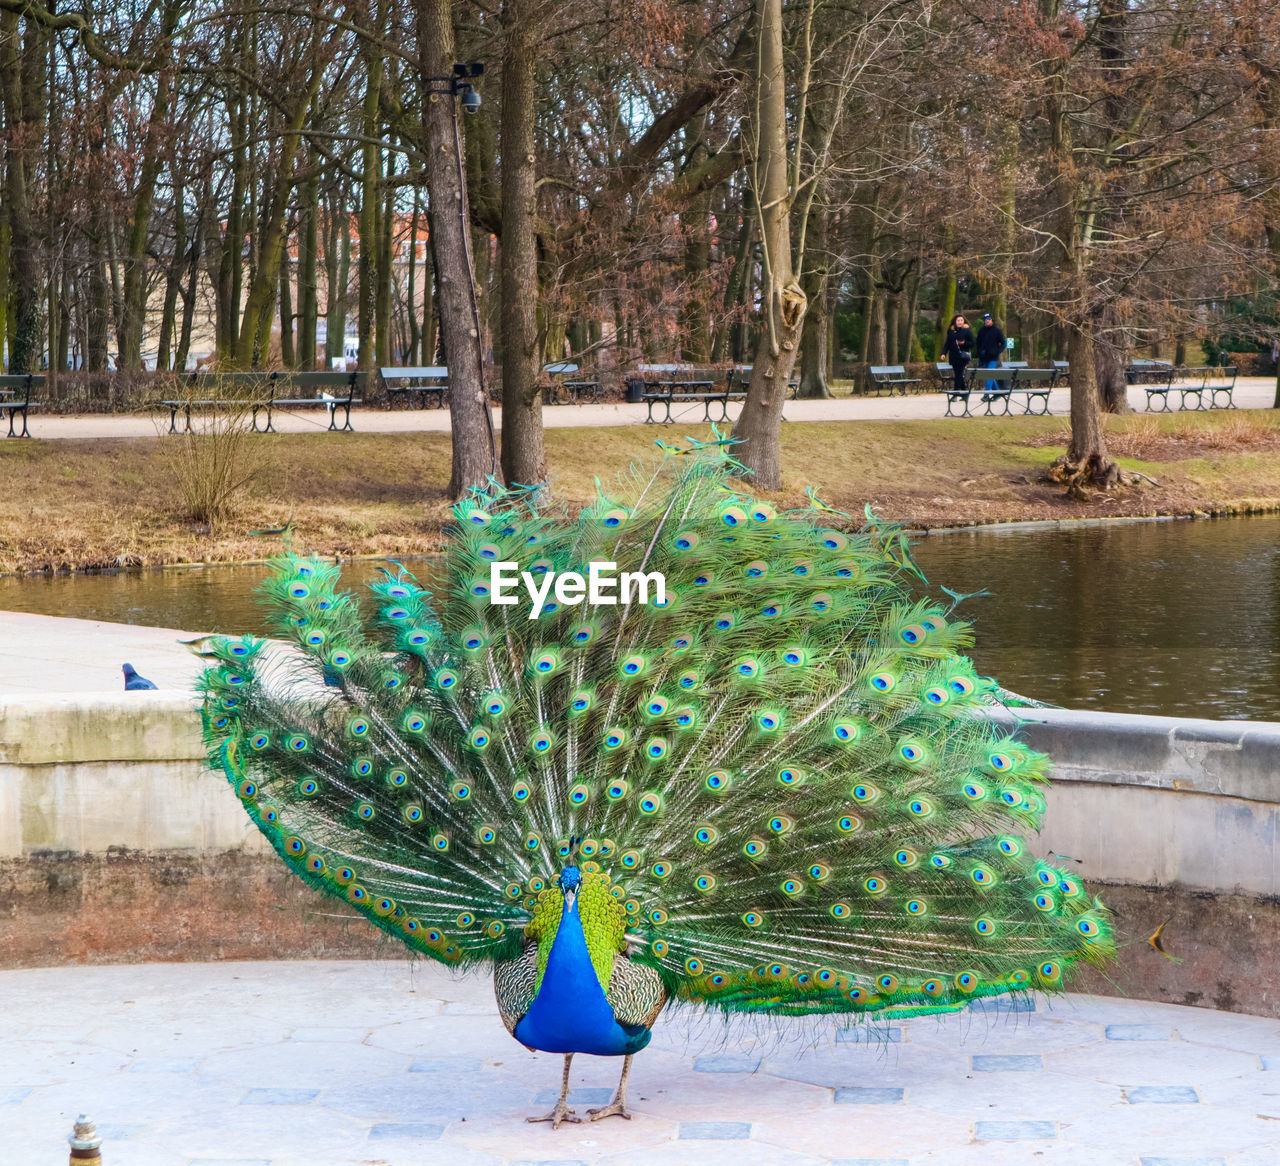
<point>784,770</point>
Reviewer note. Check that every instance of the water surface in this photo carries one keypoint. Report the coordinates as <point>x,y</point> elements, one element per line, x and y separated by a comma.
<point>1177,618</point>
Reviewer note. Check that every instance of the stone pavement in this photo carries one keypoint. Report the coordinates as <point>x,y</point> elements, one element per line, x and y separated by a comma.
<point>392,1064</point>
<point>1251,393</point>
<point>48,654</point>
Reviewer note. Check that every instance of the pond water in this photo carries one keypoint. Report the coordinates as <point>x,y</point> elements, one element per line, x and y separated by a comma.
<point>1176,618</point>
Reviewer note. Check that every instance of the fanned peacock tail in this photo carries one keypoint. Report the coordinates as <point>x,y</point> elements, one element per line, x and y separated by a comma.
<point>782,775</point>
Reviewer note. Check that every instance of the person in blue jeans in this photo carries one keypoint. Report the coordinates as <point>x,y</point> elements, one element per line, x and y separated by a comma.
<point>989,347</point>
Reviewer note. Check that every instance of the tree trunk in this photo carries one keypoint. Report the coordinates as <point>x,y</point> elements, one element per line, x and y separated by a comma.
<point>172,282</point>
<point>386,272</point>
<point>758,428</point>
<point>695,223</point>
<point>524,458</point>
<point>1087,462</point>
<point>724,347</point>
<point>308,237</point>
<point>411,289</point>
<point>816,337</point>
<point>474,448</point>
<point>370,218</point>
<point>288,357</point>
<point>24,349</point>
<point>946,304</point>
<point>1087,454</point>
<point>1110,360</point>
<point>134,304</point>
<point>892,325</point>
<point>231,260</point>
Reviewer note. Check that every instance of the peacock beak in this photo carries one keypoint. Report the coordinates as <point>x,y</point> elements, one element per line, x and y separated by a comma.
<point>570,898</point>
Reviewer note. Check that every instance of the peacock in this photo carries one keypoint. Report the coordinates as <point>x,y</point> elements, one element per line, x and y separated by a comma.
<point>766,784</point>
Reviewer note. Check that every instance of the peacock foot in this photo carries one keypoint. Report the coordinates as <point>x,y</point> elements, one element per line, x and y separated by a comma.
<point>558,1116</point>
<point>614,1109</point>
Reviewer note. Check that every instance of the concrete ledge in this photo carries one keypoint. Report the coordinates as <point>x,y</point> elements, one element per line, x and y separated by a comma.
<point>1150,801</point>
<point>1236,759</point>
<point>99,726</point>
<point>118,844</point>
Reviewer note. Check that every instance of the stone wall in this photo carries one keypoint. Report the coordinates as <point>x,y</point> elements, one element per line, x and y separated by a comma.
<point>117,844</point>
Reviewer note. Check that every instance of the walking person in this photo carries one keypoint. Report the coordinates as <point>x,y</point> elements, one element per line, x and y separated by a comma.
<point>988,348</point>
<point>958,348</point>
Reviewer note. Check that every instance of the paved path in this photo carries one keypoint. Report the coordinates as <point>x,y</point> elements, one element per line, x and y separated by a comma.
<point>1251,393</point>
<point>44,653</point>
<point>385,1064</point>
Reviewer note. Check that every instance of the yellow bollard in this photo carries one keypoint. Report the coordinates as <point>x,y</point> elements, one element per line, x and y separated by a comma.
<point>84,1141</point>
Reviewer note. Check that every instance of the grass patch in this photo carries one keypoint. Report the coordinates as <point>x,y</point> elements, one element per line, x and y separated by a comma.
<point>110,503</point>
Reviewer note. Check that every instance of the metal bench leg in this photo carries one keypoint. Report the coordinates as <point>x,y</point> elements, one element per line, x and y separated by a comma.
<point>346,425</point>
<point>186,412</point>
<point>173,418</point>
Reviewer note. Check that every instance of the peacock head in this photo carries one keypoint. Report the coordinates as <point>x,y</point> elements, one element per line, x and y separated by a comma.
<point>569,881</point>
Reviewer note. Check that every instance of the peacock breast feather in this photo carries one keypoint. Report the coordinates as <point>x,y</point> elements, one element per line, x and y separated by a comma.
<point>604,925</point>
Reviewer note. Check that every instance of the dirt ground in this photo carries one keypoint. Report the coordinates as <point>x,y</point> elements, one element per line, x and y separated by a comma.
<point>103,504</point>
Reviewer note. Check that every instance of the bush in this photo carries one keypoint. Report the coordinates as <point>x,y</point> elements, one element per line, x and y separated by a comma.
<point>215,463</point>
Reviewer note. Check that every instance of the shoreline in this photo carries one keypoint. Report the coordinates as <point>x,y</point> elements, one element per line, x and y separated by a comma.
<point>107,505</point>
<point>997,527</point>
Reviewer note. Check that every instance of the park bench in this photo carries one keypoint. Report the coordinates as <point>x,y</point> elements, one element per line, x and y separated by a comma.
<point>1220,380</point>
<point>1197,384</point>
<point>1034,385</point>
<point>1157,384</point>
<point>1063,369</point>
<point>321,381</point>
<point>15,398</point>
<point>430,382</point>
<point>1143,372</point>
<point>889,379</point>
<point>1210,382</point>
<point>565,392</point>
<point>954,396</point>
<point>259,392</point>
<point>695,392</point>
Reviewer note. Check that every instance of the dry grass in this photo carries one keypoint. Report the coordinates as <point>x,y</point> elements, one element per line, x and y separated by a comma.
<point>111,503</point>
<point>1174,436</point>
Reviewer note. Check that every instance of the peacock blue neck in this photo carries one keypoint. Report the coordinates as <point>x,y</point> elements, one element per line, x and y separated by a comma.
<point>570,1013</point>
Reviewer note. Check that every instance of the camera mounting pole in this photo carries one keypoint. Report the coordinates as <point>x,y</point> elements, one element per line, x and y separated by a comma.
<point>459,85</point>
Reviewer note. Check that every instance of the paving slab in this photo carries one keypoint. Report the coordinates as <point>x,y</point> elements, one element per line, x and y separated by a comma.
<point>348,1063</point>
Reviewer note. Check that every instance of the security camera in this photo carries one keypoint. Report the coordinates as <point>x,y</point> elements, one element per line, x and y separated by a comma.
<point>470,99</point>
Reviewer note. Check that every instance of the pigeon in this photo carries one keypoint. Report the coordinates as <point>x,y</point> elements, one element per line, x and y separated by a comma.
<point>133,682</point>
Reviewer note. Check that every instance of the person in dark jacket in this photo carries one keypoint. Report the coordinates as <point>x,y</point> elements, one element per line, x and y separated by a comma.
<point>989,348</point>
<point>958,348</point>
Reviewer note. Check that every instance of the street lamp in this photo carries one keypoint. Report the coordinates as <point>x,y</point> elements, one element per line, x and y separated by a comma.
<point>460,86</point>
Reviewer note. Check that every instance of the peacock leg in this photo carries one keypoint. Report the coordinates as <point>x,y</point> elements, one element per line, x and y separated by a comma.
<point>562,1112</point>
<point>618,1106</point>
